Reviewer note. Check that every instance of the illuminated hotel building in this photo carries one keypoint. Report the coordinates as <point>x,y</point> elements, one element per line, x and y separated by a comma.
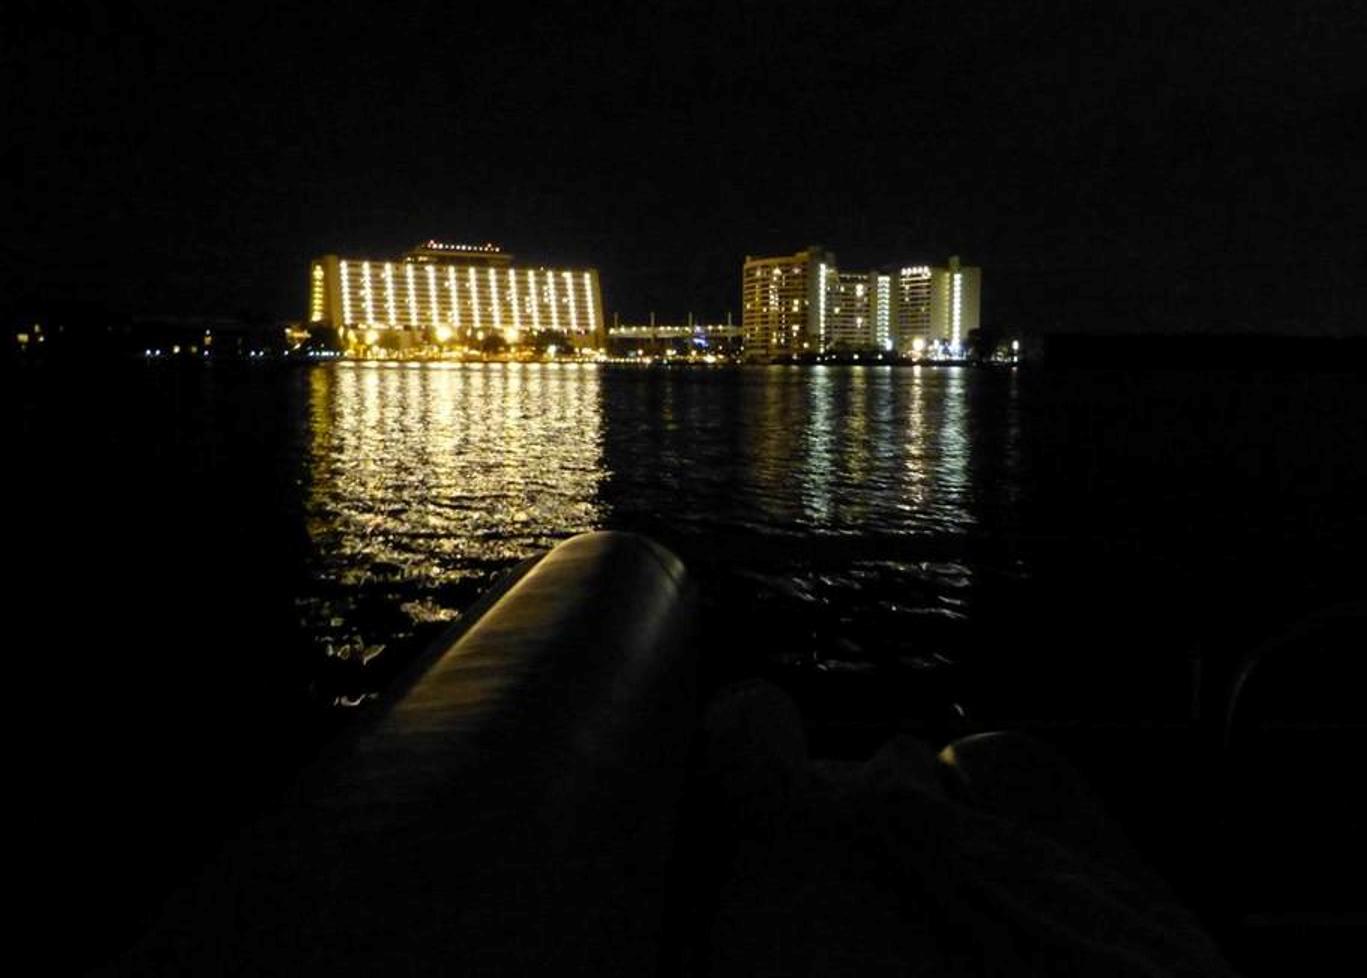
<point>849,312</point>
<point>954,295</point>
<point>783,303</point>
<point>911,320</point>
<point>803,303</point>
<point>882,311</point>
<point>440,293</point>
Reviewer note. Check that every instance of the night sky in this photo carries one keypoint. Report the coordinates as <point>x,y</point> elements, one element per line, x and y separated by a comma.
<point>1155,166</point>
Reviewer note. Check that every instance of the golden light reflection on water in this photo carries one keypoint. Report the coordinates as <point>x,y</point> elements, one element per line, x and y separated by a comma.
<point>421,476</point>
<point>425,479</point>
<point>953,482</point>
<point>865,450</point>
<point>917,465</point>
<point>821,449</point>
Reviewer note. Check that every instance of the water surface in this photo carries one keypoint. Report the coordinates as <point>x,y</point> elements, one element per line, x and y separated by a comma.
<point>209,560</point>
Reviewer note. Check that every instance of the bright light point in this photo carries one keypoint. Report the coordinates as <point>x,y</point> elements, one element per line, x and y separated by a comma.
<point>550,350</point>
<point>443,334</point>
<point>918,345</point>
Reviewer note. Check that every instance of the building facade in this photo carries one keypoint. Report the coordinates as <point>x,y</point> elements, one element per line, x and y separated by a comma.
<point>850,310</point>
<point>911,318</point>
<point>955,294</point>
<point>440,294</point>
<point>783,303</point>
<point>804,303</point>
<point>686,339</point>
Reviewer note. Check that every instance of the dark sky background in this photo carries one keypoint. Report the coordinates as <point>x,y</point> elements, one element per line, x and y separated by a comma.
<point>1154,166</point>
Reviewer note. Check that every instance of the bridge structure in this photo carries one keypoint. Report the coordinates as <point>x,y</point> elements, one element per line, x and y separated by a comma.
<point>680,339</point>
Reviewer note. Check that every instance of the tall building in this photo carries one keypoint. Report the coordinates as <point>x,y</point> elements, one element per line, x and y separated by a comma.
<point>783,303</point>
<point>803,303</point>
<point>954,300</point>
<point>452,293</point>
<point>911,309</point>
<point>883,310</point>
<point>850,309</point>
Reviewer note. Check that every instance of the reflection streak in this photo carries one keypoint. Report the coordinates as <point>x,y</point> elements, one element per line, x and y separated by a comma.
<point>423,478</point>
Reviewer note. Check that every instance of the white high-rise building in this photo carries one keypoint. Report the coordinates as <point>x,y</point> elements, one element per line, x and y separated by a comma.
<point>911,308</point>
<point>850,298</point>
<point>955,292</point>
<point>804,304</point>
<point>784,309</point>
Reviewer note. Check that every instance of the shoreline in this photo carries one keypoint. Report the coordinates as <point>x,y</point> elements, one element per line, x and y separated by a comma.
<point>640,363</point>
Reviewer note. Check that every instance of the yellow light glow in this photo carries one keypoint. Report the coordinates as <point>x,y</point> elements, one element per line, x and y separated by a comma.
<point>412,295</point>
<point>512,299</point>
<point>443,334</point>
<point>346,294</point>
<point>367,293</point>
<point>473,283</point>
<point>316,294</point>
<point>451,288</point>
<point>493,301</point>
<point>432,295</point>
<point>956,308</point>
<point>588,302</point>
<point>389,292</point>
<point>569,294</point>
<point>371,295</point>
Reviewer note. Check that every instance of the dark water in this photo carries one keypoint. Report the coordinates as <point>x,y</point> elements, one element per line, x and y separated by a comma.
<point>208,561</point>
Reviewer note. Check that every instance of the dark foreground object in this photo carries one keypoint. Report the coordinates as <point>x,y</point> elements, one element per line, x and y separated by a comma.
<point>538,796</point>
<point>991,858</point>
<point>509,811</point>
